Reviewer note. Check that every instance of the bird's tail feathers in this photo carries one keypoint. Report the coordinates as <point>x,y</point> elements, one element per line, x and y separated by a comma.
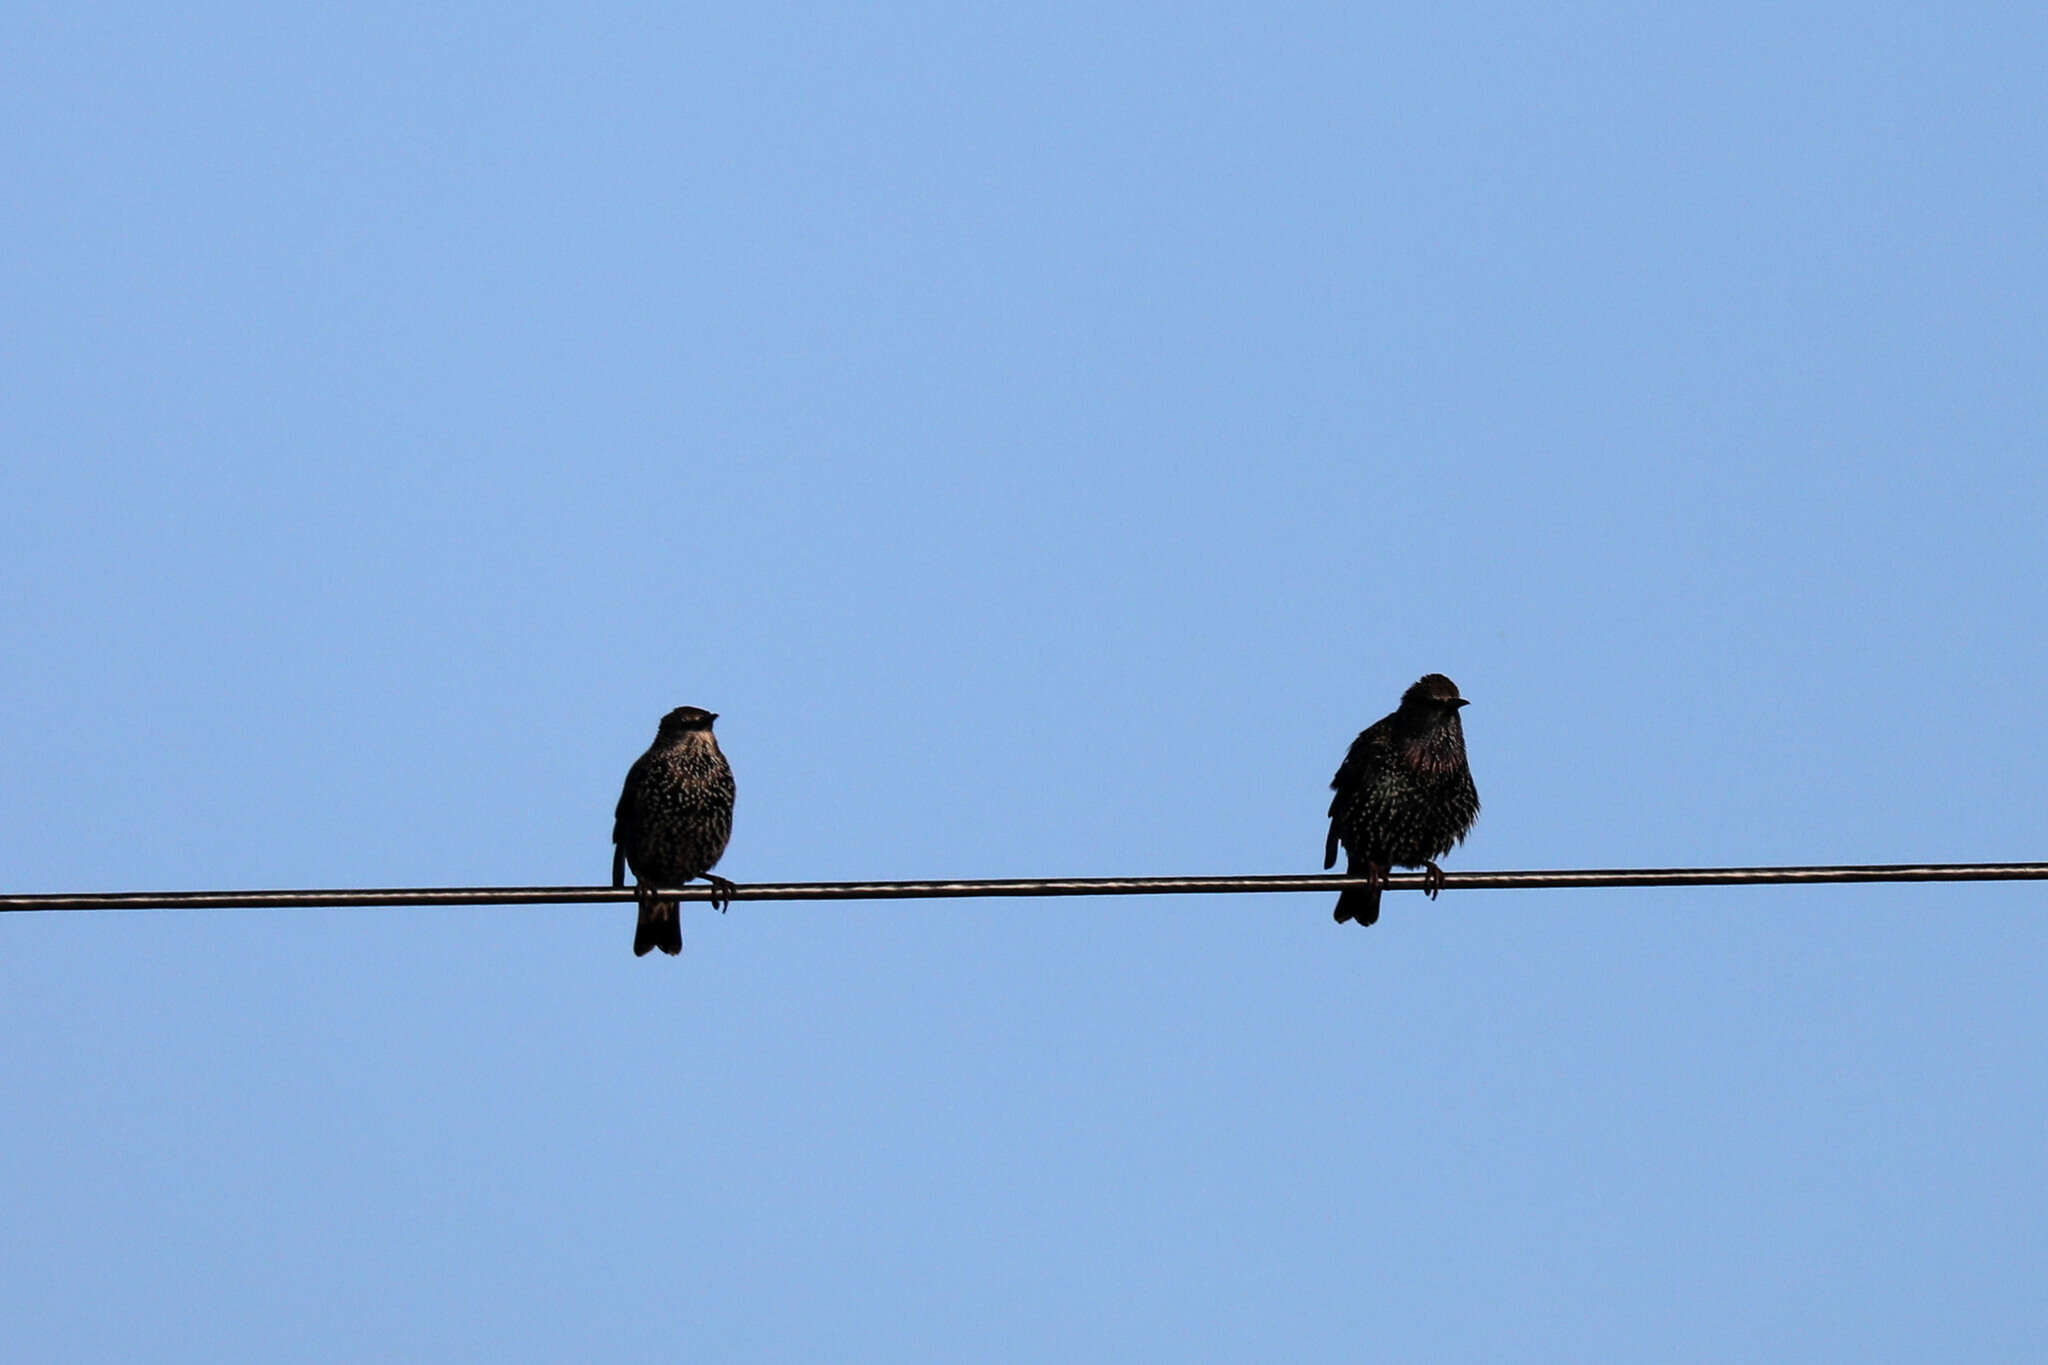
<point>661,926</point>
<point>1359,903</point>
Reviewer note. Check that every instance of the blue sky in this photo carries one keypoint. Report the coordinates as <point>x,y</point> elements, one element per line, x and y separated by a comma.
<point>1046,436</point>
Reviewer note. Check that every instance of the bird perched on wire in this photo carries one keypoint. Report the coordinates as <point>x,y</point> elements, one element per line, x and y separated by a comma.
<point>1404,795</point>
<point>672,823</point>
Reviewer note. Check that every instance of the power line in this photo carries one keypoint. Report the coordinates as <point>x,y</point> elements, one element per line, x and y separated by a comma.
<point>1031,886</point>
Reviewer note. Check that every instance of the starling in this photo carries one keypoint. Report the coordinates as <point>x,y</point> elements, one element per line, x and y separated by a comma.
<point>1404,795</point>
<point>672,823</point>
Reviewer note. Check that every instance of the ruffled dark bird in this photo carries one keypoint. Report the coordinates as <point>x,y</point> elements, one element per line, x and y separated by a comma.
<point>673,820</point>
<point>1404,795</point>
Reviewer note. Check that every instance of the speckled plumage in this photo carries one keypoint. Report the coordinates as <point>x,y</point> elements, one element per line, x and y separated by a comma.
<point>1404,795</point>
<point>672,823</point>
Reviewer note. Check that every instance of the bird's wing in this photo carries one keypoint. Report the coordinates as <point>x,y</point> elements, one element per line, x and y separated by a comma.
<point>1343,785</point>
<point>1375,737</point>
<point>622,814</point>
<point>1372,749</point>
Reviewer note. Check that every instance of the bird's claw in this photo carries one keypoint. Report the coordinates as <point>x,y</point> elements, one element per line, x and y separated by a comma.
<point>721,892</point>
<point>1432,879</point>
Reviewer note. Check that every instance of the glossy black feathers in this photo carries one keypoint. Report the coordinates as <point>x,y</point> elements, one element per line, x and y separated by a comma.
<point>1404,795</point>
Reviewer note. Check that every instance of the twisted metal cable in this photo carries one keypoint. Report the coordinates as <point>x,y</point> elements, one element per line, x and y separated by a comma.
<point>1029,886</point>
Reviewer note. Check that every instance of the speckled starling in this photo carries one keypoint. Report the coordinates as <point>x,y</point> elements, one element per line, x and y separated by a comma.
<point>1404,795</point>
<point>672,823</point>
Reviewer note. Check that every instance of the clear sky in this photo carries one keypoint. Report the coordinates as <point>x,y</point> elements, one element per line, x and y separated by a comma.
<point>1046,434</point>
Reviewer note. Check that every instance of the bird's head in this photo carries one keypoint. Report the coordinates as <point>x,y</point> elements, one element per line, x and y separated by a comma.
<point>1432,692</point>
<point>685,720</point>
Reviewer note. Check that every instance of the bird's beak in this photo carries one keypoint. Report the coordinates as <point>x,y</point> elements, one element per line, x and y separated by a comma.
<point>1461,703</point>
<point>714,716</point>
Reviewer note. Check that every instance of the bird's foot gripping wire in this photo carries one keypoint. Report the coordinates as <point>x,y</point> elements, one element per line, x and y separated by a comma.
<point>721,892</point>
<point>1432,879</point>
